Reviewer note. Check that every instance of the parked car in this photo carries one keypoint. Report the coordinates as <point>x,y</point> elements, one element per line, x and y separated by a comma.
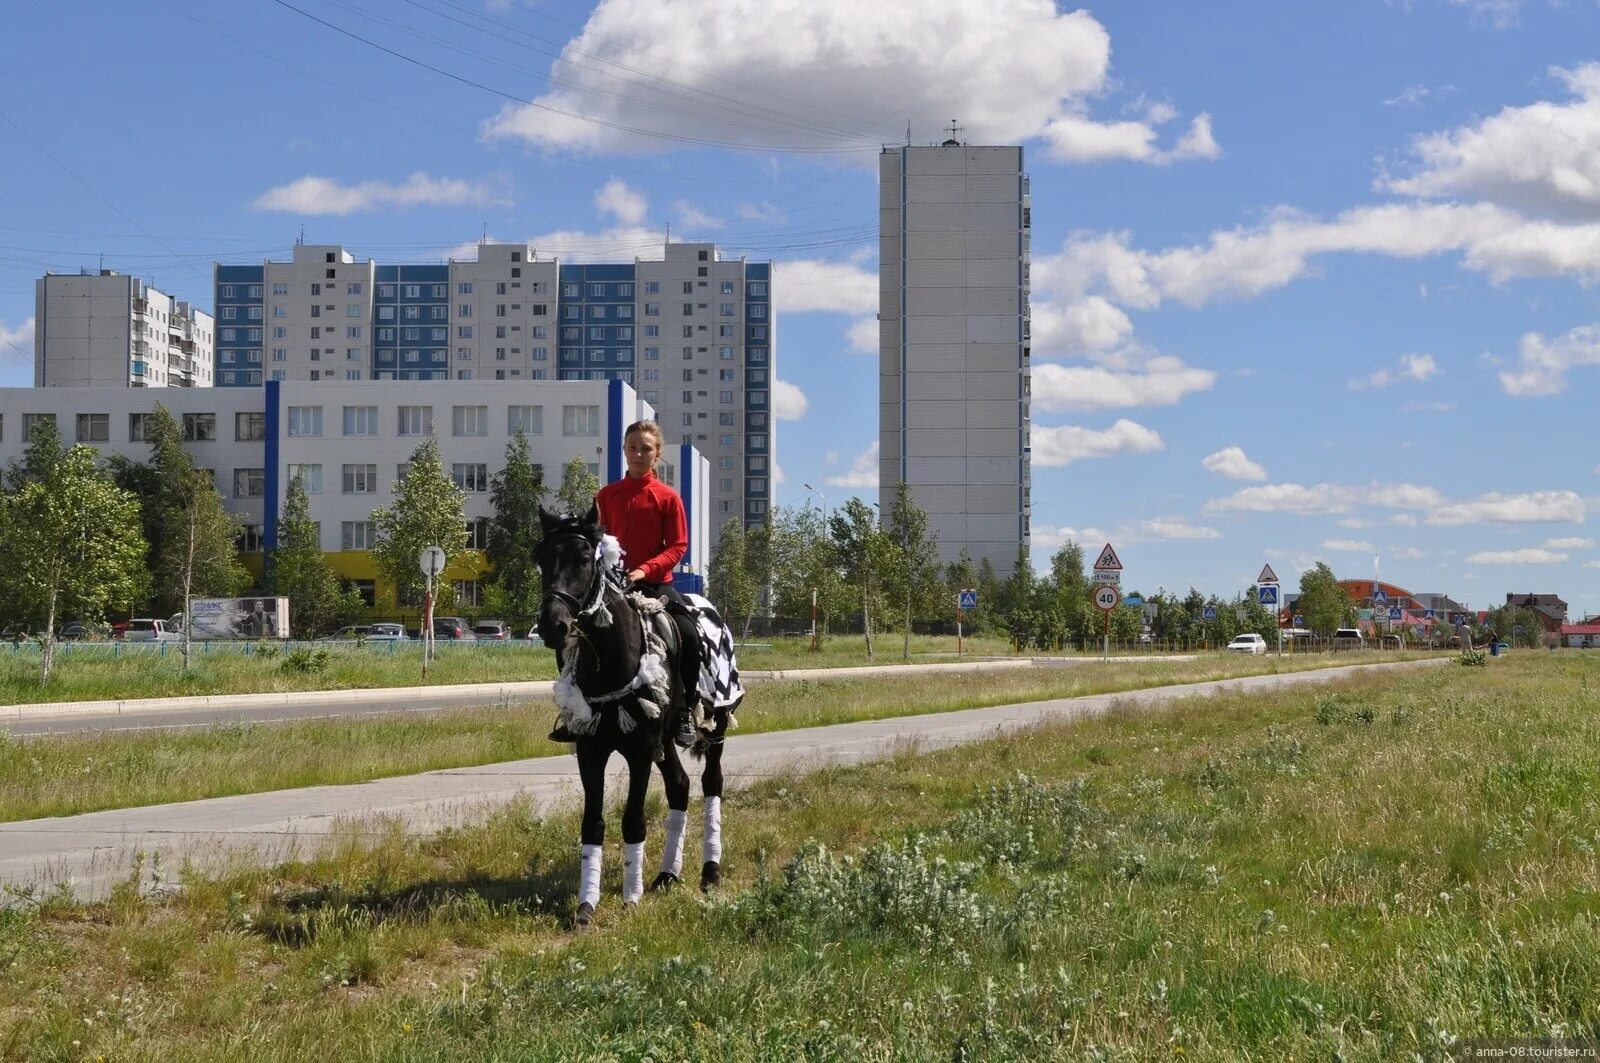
<point>1349,638</point>
<point>1249,642</point>
<point>14,632</point>
<point>534,636</point>
<point>491,630</point>
<point>387,633</point>
<point>147,630</point>
<point>452,628</point>
<point>348,634</point>
<point>84,631</point>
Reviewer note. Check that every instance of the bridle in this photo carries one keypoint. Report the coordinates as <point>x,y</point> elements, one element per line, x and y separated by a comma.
<point>594,596</point>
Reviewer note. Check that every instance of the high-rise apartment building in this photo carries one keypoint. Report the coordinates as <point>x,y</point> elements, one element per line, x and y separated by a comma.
<point>691,332</point>
<point>109,329</point>
<point>954,343</point>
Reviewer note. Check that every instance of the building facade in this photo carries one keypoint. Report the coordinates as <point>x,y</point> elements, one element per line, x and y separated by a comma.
<point>954,343</point>
<point>110,329</point>
<point>694,334</point>
<point>352,442</point>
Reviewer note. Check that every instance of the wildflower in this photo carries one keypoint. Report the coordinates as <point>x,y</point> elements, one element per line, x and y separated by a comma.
<point>406,1028</point>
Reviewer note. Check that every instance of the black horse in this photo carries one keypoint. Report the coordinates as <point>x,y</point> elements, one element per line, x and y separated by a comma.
<point>615,696</point>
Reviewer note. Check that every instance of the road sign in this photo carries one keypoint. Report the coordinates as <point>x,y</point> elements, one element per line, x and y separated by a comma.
<point>1209,612</point>
<point>1267,594</point>
<point>1427,614</point>
<point>1107,577</point>
<point>969,599</point>
<point>431,561</point>
<point>1299,621</point>
<point>1106,597</point>
<point>1379,597</point>
<point>1133,599</point>
<point>1108,560</point>
<point>1395,612</point>
<point>1267,575</point>
<point>1417,631</point>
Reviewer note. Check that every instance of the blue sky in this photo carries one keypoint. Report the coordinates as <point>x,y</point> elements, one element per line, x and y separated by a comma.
<point>1310,281</point>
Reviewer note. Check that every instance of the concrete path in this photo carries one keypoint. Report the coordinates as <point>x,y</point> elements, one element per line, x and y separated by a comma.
<point>93,852</point>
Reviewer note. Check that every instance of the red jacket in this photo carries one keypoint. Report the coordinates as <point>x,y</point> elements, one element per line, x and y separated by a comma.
<point>646,516</point>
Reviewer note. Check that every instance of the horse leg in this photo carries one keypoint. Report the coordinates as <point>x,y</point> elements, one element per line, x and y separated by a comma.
<point>711,840</point>
<point>633,824</point>
<point>592,757</point>
<point>676,782</point>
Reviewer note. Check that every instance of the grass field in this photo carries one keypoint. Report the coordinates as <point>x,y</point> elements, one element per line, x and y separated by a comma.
<point>68,775</point>
<point>1388,868</point>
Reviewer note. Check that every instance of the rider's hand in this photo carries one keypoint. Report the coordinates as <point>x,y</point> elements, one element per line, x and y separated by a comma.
<point>636,576</point>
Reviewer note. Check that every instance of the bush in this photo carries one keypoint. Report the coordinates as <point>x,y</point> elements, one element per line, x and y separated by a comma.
<point>1473,659</point>
<point>310,661</point>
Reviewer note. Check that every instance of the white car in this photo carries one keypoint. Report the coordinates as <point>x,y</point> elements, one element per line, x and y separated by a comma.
<point>1248,643</point>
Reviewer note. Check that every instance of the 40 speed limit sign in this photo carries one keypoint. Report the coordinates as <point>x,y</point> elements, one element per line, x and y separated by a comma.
<point>1106,598</point>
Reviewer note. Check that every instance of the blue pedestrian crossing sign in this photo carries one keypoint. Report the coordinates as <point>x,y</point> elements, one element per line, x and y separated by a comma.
<point>1395,612</point>
<point>1379,597</point>
<point>1299,621</point>
<point>1267,594</point>
<point>1427,614</point>
<point>1209,612</point>
<point>968,599</point>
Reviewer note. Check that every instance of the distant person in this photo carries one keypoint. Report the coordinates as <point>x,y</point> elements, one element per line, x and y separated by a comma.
<point>1464,633</point>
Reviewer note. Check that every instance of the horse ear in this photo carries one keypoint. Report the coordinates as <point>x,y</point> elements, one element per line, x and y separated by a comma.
<point>593,516</point>
<point>544,519</point>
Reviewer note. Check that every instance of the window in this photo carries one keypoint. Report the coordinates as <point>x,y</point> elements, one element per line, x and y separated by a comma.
<point>725,309</point>
<point>470,476</point>
<point>385,313</point>
<point>688,419</point>
<point>725,396</point>
<point>280,289</point>
<point>652,287</point>
<point>199,427</point>
<point>416,420</point>
<point>94,427</point>
<point>280,311</point>
<point>353,288</point>
<point>540,354</point>
<point>360,420</point>
<point>413,291</point>
<point>249,483</point>
<point>385,291</point>
<point>311,477</point>
<point>539,309</point>
<point>688,376</point>
<point>316,311</point>
<point>469,592</point>
<point>727,287</point>
<point>478,534</point>
<point>469,420</point>
<point>354,310</point>
<point>688,287</point>
<point>580,420</point>
<point>229,335</point>
<point>758,354</point>
<point>725,440</point>
<point>357,534</point>
<point>758,290</point>
<point>439,313</point>
<point>571,291</point>
<point>652,309</point>
<point>440,291</point>
<point>464,288</point>
<point>359,480</point>
<point>688,333</point>
<point>250,540</point>
<point>758,311</point>
<point>249,426</point>
<point>305,420</point>
<point>410,313</point>
<point>229,313</point>
<point>598,290</point>
<point>528,419</point>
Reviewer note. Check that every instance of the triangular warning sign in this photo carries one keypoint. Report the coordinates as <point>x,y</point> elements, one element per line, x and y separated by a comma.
<point>1267,575</point>
<point>1108,561</point>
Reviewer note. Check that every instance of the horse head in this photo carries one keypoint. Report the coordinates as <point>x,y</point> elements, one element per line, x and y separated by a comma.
<point>569,570</point>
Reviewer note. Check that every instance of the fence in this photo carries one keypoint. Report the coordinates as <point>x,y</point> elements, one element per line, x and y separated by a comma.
<point>250,647</point>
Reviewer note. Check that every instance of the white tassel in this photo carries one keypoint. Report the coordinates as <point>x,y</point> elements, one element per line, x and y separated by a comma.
<point>632,872</point>
<point>589,876</point>
<point>672,848</point>
<point>711,843</point>
<point>625,721</point>
<point>651,672</point>
<point>609,553</point>
<point>573,707</point>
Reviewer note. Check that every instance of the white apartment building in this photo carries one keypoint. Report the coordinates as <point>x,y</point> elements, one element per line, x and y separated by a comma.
<point>503,315</point>
<point>109,329</point>
<point>954,343</point>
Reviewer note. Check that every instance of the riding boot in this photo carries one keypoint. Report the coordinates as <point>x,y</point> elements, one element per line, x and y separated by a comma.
<point>561,734</point>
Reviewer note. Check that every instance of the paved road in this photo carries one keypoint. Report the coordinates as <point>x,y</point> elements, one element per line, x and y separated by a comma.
<point>95,851</point>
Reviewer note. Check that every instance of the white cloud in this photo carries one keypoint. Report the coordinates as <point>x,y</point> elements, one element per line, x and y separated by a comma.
<point>1544,157</point>
<point>1591,564</point>
<point>1571,542</point>
<point>1232,463</point>
<point>863,472</point>
<point>324,195</point>
<point>692,217</point>
<point>1160,381</point>
<point>1349,546</point>
<point>1542,365</point>
<point>1353,522</point>
<point>788,401</point>
<point>1055,537</point>
<point>1327,498</point>
<point>816,285</point>
<point>1053,447</point>
<point>863,335</point>
<point>1414,95</point>
<point>778,475</point>
<point>576,245</point>
<point>1495,508</point>
<point>1517,557</point>
<point>1417,367</point>
<point>1407,553</point>
<point>1164,528</point>
<point>1501,14</point>
<point>13,340</point>
<point>830,75</point>
<point>628,205</point>
<point>1077,325</point>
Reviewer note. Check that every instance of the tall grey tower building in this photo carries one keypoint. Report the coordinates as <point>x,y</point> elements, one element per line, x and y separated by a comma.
<point>953,348</point>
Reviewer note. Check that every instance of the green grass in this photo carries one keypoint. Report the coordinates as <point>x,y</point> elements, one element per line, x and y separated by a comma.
<point>58,776</point>
<point>1381,869</point>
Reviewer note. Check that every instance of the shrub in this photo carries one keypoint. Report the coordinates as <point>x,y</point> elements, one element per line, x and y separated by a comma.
<point>309,661</point>
<point>1473,659</point>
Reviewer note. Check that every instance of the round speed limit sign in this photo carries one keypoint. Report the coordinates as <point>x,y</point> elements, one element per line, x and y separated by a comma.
<point>1106,598</point>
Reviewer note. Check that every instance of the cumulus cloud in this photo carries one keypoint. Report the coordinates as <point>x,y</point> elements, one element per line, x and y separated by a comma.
<point>16,342</point>
<point>1232,463</point>
<point>325,195</point>
<point>831,75</point>
<point>1531,556</point>
<point>1053,447</point>
<point>788,401</point>
<point>1544,157</point>
<point>1160,381</point>
<point>863,471</point>
<point>1542,365</point>
<point>1571,542</point>
<point>1407,553</point>
<point>863,335</point>
<point>817,285</point>
<point>1417,367</point>
<point>1050,538</point>
<point>1494,508</point>
<point>692,218</point>
<point>1078,325</point>
<point>628,205</point>
<point>1165,528</point>
<point>1327,498</point>
<point>1350,546</point>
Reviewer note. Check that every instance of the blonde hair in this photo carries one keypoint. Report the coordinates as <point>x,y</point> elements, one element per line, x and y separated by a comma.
<point>650,428</point>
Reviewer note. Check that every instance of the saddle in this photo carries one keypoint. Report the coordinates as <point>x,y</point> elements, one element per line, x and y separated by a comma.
<point>718,688</point>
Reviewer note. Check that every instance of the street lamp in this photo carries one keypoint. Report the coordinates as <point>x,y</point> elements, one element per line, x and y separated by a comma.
<point>824,498</point>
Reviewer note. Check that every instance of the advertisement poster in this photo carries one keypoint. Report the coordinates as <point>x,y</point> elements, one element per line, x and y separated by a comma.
<point>239,618</point>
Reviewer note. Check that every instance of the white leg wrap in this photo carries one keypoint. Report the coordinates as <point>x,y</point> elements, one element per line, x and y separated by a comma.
<point>672,850</point>
<point>589,877</point>
<point>632,872</point>
<point>711,844</point>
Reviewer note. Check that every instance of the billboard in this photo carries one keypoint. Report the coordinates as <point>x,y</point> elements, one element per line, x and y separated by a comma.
<point>239,618</point>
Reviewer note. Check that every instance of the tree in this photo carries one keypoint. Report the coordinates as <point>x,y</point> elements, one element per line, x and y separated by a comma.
<point>578,487</point>
<point>861,548</point>
<point>516,492</point>
<point>298,570</point>
<point>199,559</point>
<point>429,510</point>
<point>916,569</point>
<point>1323,602</point>
<point>729,575</point>
<point>802,558</point>
<point>72,541</point>
<point>39,460</point>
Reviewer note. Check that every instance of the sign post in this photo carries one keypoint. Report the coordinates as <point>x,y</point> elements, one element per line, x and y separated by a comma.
<point>814,647</point>
<point>1106,599</point>
<point>1108,576</point>
<point>431,560</point>
<point>966,598</point>
<point>1267,594</point>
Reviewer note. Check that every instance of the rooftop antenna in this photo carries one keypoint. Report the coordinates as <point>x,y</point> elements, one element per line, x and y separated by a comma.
<point>485,233</point>
<point>302,239</point>
<point>908,132</point>
<point>955,130</point>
